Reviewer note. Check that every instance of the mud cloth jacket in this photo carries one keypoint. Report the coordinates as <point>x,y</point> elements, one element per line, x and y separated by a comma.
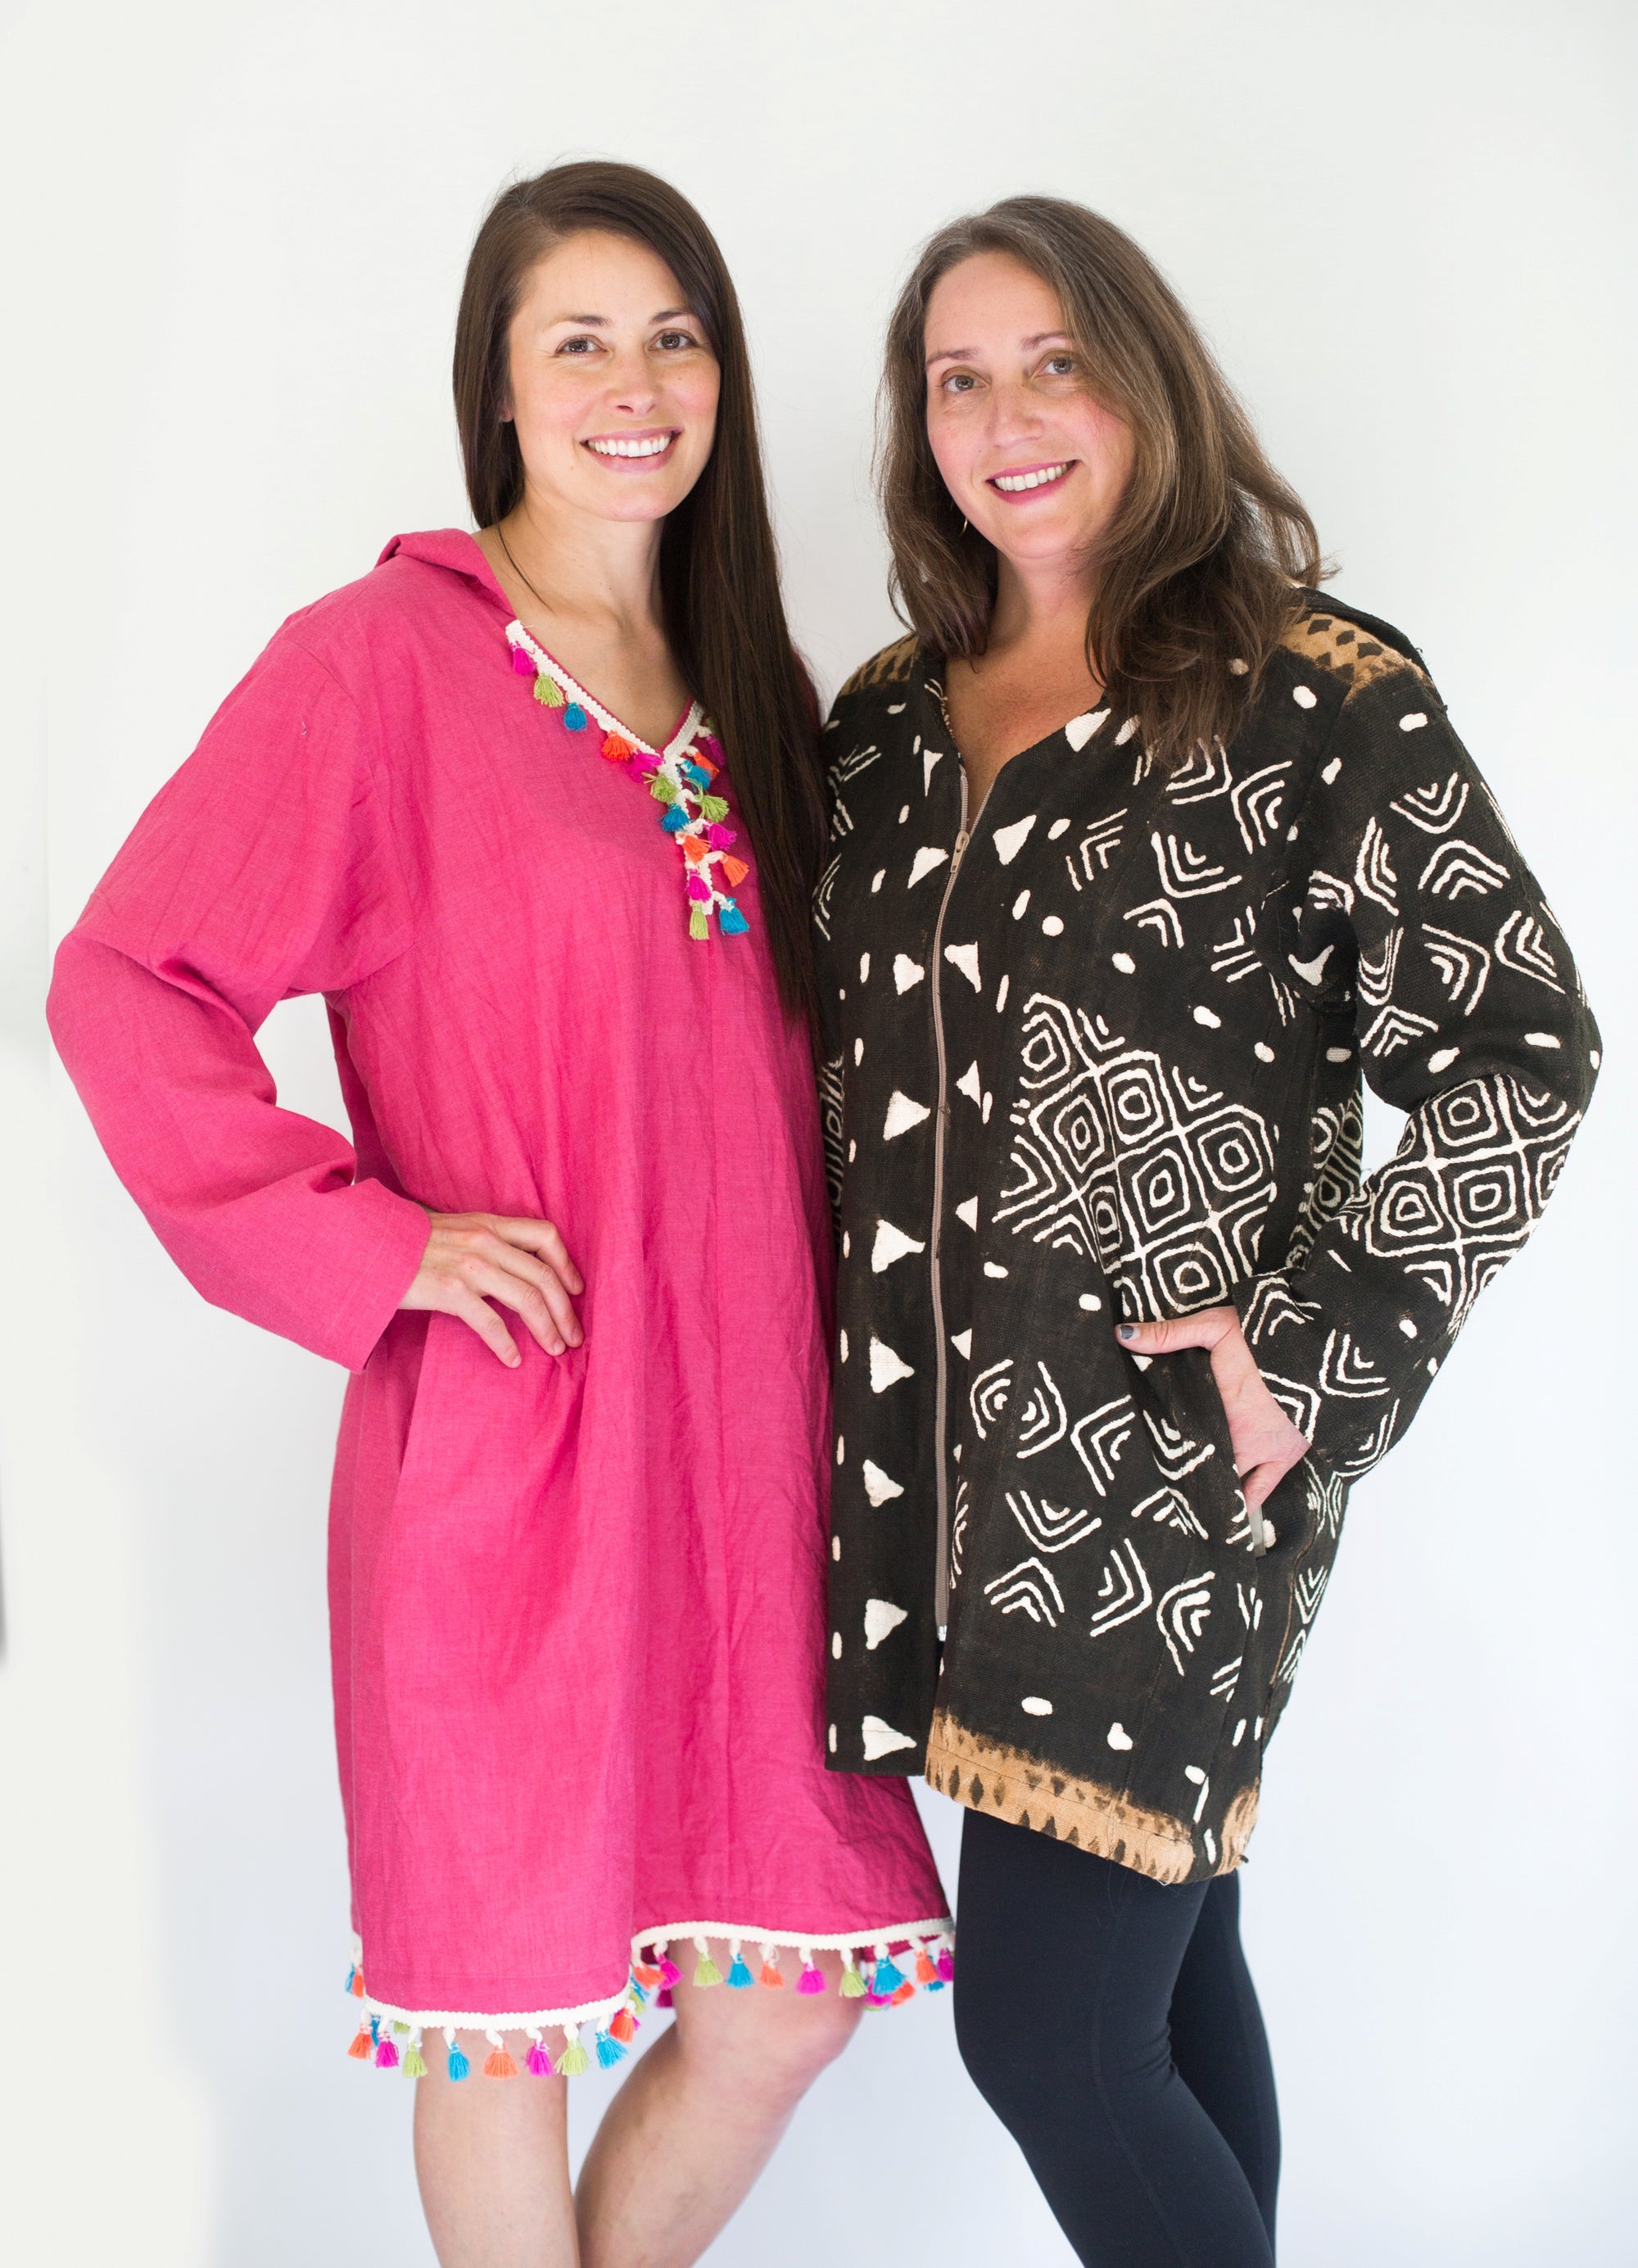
<point>1100,1057</point>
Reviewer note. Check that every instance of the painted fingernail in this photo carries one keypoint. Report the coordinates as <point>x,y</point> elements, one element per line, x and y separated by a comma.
<point>1126,1330</point>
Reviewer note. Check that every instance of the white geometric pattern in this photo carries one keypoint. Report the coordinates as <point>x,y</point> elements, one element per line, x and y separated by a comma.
<point>1157,1179</point>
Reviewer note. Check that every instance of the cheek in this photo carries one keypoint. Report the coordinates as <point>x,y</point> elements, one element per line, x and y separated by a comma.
<point>952,448</point>
<point>1108,438</point>
<point>693,395</point>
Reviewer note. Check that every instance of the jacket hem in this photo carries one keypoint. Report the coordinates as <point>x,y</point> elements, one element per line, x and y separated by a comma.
<point>1008,1783</point>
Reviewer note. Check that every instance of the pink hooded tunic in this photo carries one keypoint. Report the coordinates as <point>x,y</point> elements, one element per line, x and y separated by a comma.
<point>578,1607</point>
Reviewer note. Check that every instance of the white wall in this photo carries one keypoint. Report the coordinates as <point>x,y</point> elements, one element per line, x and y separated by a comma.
<point>234,239</point>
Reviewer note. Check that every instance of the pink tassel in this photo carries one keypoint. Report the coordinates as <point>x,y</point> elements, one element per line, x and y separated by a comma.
<point>699,890</point>
<point>812,1978</point>
<point>522,666</point>
<point>670,1973</point>
<point>719,837</point>
<point>641,768</point>
<point>663,1998</point>
<point>946,1965</point>
<point>538,2062</point>
<point>387,2056</point>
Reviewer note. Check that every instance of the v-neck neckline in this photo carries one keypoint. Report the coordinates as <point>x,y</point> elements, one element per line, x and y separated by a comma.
<point>934,690</point>
<point>687,727</point>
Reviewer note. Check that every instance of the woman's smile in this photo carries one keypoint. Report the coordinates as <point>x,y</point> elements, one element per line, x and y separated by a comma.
<point>642,452</point>
<point>1026,480</point>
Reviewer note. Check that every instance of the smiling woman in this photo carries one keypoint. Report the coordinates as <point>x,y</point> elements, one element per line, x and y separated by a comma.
<point>1164,852</point>
<point>575,1253</point>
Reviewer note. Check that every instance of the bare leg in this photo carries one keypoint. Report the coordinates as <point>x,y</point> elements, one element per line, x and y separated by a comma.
<point>492,2158</point>
<point>699,2118</point>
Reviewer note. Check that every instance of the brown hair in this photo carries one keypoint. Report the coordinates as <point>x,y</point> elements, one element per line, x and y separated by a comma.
<point>1198,567</point>
<point>719,572</point>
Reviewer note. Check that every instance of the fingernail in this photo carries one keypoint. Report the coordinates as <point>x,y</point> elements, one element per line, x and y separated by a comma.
<point>1126,1330</point>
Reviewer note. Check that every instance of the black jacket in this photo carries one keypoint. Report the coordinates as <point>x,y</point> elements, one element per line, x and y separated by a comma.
<point>1101,1058</point>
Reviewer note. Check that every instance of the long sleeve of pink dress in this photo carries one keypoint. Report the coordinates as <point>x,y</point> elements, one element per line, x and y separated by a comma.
<point>578,1609</point>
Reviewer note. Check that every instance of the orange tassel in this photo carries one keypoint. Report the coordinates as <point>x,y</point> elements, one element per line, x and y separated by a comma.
<point>358,1984</point>
<point>736,870</point>
<point>500,2066</point>
<point>693,849</point>
<point>770,1975</point>
<point>647,1976</point>
<point>621,2026</point>
<point>616,750</point>
<point>907,1991</point>
<point>704,763</point>
<point>925,1972</point>
<point>363,2047</point>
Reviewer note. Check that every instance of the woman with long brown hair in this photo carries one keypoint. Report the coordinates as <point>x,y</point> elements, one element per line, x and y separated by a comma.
<point>1144,851</point>
<point>576,1254</point>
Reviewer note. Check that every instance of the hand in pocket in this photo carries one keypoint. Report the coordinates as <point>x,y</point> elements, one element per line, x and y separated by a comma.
<point>1264,1442</point>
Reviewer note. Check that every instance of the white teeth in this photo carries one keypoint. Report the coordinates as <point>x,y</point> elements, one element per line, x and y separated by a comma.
<point>1011,483</point>
<point>631,448</point>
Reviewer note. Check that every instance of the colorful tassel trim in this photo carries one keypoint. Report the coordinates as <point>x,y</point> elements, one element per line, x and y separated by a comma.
<point>880,1982</point>
<point>678,778</point>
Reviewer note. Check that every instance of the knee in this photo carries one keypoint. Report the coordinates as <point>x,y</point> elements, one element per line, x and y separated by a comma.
<point>771,2045</point>
<point>990,2038</point>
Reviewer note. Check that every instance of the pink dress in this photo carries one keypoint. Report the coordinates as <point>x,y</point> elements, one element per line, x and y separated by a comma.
<point>578,1609</point>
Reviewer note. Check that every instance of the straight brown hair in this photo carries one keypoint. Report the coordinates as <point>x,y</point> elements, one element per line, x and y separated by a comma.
<point>719,570</point>
<point>1197,570</point>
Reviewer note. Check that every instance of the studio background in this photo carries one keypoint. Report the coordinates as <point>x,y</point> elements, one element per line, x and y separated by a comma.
<point>234,240</point>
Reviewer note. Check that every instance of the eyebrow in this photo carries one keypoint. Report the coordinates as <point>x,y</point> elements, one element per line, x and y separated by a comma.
<point>961,354</point>
<point>600,322</point>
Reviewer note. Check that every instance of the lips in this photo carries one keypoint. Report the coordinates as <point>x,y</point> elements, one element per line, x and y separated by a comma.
<point>631,448</point>
<point>1027,480</point>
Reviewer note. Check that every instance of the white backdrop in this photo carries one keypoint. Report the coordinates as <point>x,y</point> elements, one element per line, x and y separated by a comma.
<point>235,237</point>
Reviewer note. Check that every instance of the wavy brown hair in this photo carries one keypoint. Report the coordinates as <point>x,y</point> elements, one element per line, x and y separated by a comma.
<point>719,571</point>
<point>1197,570</point>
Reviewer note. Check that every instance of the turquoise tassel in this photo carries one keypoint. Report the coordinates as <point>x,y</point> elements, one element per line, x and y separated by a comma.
<point>739,1976</point>
<point>609,2051</point>
<point>888,1977</point>
<point>674,819</point>
<point>351,1973</point>
<point>458,2066</point>
<point>574,717</point>
<point>733,922</point>
<point>375,2029</point>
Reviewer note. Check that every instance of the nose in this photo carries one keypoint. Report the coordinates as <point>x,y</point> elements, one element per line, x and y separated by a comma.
<point>1014,414</point>
<point>631,383</point>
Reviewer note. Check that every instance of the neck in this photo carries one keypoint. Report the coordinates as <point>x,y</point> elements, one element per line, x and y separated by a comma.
<point>1041,602</point>
<point>586,570</point>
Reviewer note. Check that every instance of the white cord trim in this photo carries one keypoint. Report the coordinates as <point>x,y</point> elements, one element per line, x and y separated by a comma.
<point>864,1940</point>
<point>688,730</point>
<point>915,1933</point>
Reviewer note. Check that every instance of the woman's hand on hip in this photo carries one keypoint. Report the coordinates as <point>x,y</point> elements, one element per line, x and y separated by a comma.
<point>474,1257</point>
<point>1264,1442</point>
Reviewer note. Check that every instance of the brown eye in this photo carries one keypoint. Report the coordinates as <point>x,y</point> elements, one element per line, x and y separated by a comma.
<point>671,340</point>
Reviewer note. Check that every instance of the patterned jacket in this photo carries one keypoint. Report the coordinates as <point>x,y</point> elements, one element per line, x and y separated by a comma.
<point>1100,1058</point>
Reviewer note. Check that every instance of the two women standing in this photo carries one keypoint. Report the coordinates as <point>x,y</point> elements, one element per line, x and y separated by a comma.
<point>1140,852</point>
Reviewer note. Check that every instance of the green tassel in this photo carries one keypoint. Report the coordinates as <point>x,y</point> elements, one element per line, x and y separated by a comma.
<point>852,1984</point>
<point>662,790</point>
<point>547,691</point>
<point>574,2059</point>
<point>705,1969</point>
<point>413,2067</point>
<point>713,807</point>
<point>401,2029</point>
<point>699,925</point>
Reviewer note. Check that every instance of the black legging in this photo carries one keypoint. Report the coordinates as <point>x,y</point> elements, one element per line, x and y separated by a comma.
<point>1111,2022</point>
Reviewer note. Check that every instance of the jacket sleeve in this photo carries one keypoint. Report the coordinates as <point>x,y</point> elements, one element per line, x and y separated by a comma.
<point>264,870</point>
<point>1417,930</point>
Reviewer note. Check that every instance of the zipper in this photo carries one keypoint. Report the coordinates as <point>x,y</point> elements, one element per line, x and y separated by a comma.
<point>941,1352</point>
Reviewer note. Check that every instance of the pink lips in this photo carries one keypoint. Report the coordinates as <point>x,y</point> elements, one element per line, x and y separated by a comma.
<point>1016,472</point>
<point>669,434</point>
